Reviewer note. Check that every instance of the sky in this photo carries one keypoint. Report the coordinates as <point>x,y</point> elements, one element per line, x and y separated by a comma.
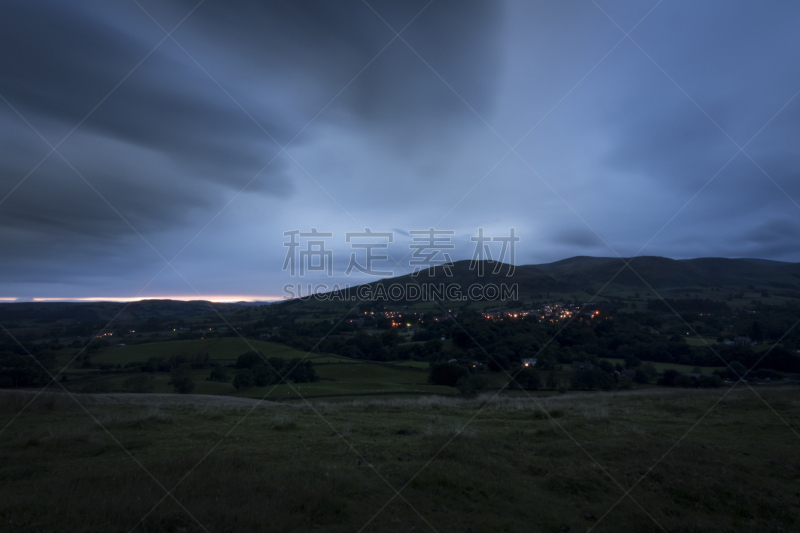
<point>157,148</point>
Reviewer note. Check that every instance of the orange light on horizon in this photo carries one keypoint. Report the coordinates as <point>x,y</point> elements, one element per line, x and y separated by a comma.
<point>215,298</point>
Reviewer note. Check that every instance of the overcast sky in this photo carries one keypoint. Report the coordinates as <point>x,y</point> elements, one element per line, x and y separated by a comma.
<point>256,118</point>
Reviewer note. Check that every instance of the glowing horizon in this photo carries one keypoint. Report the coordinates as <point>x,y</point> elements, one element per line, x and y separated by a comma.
<point>216,298</point>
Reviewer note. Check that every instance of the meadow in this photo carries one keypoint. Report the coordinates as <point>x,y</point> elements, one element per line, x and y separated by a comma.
<point>544,462</point>
<point>218,348</point>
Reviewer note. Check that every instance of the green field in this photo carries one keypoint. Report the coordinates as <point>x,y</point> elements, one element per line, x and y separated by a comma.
<point>661,367</point>
<point>459,465</point>
<point>692,340</point>
<point>224,348</point>
<point>354,379</point>
<point>414,364</point>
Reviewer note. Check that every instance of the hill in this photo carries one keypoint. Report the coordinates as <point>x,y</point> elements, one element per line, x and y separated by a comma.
<point>583,276</point>
<point>43,312</point>
<point>664,273</point>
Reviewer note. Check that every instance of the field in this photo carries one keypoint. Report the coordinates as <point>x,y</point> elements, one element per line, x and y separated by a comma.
<point>339,376</point>
<point>354,378</point>
<point>223,349</point>
<point>661,367</point>
<point>235,465</point>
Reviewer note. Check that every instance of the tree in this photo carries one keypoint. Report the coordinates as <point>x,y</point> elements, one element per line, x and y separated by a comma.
<point>631,361</point>
<point>445,373</point>
<point>182,384</point>
<point>669,377</point>
<point>528,379</point>
<point>181,380</point>
<point>244,379</point>
<point>583,379</point>
<point>646,373</point>
<point>552,380</point>
<point>17,370</point>
<point>470,386</point>
<point>736,370</point>
<point>219,373</point>
<point>263,376</point>
<point>300,371</point>
<point>249,360</point>
<point>755,332</point>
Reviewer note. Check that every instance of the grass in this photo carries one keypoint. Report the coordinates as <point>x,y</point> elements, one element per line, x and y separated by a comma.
<point>288,467</point>
<point>413,364</point>
<point>354,379</point>
<point>222,348</point>
<point>339,376</point>
<point>661,367</point>
<point>693,340</point>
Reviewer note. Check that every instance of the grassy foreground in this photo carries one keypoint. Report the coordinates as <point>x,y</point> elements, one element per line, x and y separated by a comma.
<point>337,466</point>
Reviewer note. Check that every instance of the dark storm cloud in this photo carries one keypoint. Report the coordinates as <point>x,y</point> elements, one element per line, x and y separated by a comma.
<point>735,60</point>
<point>169,147</point>
<point>619,143</point>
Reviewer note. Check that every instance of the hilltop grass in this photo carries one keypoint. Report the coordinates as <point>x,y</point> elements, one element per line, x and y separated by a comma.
<point>333,467</point>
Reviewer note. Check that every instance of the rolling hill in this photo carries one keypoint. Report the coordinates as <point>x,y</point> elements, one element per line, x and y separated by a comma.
<point>589,274</point>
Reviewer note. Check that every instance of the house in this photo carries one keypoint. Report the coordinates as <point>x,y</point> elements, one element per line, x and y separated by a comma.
<point>578,365</point>
<point>742,340</point>
<point>628,373</point>
<point>264,335</point>
<point>529,362</point>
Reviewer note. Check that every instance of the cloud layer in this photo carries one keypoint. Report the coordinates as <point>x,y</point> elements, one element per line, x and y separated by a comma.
<point>183,142</point>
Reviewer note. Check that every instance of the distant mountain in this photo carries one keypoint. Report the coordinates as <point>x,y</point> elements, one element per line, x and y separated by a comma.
<point>576,274</point>
<point>590,274</point>
<point>664,273</point>
<point>765,261</point>
<point>104,311</point>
